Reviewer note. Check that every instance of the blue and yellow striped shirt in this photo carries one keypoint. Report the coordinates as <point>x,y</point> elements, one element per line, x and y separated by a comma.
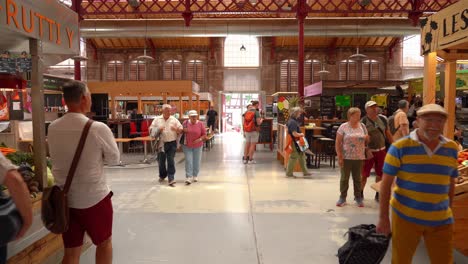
<point>423,179</point>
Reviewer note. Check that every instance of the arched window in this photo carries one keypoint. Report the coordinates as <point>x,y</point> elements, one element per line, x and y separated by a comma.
<point>412,52</point>
<point>115,71</point>
<point>195,71</point>
<point>311,69</point>
<point>348,70</point>
<point>370,70</point>
<point>288,75</point>
<point>137,71</point>
<point>241,51</point>
<point>172,70</point>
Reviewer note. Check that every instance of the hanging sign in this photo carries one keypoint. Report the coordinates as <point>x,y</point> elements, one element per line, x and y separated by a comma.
<point>313,89</point>
<point>47,20</point>
<point>447,28</point>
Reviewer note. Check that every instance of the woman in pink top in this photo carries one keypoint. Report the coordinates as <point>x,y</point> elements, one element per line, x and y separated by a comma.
<point>350,145</point>
<point>195,134</point>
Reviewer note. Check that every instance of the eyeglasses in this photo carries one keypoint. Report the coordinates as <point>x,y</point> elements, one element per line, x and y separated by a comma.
<point>434,120</point>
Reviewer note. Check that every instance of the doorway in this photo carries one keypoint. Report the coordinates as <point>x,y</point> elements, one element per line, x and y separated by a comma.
<point>233,106</point>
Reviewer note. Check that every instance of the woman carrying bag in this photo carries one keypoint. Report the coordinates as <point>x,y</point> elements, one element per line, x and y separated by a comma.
<point>351,139</point>
<point>194,136</point>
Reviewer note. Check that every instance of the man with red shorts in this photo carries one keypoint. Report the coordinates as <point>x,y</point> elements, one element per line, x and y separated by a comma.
<point>89,197</point>
<point>378,131</point>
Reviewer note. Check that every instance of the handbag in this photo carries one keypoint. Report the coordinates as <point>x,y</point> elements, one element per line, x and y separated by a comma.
<point>10,220</point>
<point>182,140</point>
<point>364,246</point>
<point>55,211</point>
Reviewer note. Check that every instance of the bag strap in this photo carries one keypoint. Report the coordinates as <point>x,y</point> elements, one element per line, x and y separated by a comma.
<point>77,156</point>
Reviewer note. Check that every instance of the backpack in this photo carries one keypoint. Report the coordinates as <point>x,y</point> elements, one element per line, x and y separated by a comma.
<point>249,121</point>
<point>391,124</point>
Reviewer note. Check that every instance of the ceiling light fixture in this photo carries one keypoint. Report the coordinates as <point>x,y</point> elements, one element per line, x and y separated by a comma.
<point>145,57</point>
<point>357,56</point>
<point>242,48</point>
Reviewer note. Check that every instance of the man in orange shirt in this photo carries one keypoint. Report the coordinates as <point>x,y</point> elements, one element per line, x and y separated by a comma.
<point>401,120</point>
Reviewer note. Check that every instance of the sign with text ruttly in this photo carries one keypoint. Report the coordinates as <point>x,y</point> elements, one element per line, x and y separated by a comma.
<point>46,20</point>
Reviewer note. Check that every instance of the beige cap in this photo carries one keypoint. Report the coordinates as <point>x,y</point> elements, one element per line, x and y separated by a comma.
<point>370,103</point>
<point>192,113</point>
<point>432,109</point>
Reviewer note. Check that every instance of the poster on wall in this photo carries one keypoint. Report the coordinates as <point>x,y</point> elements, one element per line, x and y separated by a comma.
<point>4,111</point>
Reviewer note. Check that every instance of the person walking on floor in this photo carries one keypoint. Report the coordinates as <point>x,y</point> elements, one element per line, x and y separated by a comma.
<point>20,195</point>
<point>401,122</point>
<point>251,123</point>
<point>195,134</point>
<point>169,128</point>
<point>294,133</point>
<point>351,139</point>
<point>212,119</point>
<point>378,132</point>
<point>89,197</point>
<point>425,167</point>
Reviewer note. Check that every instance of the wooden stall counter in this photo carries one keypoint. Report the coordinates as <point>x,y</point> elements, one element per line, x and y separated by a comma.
<point>281,155</point>
<point>38,245</point>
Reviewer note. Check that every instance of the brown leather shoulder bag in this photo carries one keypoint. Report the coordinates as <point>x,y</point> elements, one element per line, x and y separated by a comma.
<point>55,212</point>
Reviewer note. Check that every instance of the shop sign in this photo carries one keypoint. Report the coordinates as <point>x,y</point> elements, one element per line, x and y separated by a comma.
<point>46,20</point>
<point>313,89</point>
<point>445,29</point>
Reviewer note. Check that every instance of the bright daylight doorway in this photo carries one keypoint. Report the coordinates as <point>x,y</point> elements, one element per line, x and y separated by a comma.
<point>233,106</point>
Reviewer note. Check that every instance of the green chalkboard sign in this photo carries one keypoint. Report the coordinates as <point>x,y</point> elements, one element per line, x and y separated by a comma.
<point>343,100</point>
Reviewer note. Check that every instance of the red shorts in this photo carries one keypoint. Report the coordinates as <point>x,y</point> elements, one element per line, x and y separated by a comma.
<point>378,160</point>
<point>95,220</point>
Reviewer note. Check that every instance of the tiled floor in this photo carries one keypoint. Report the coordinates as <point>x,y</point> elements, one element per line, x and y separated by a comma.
<point>237,213</point>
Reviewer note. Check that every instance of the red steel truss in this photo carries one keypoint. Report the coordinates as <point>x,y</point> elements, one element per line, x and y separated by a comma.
<point>124,8</point>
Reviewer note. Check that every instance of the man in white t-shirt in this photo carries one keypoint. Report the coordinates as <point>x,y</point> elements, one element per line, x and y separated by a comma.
<point>89,197</point>
<point>169,128</point>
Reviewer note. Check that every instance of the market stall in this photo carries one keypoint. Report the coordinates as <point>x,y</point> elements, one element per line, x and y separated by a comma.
<point>181,94</point>
<point>49,31</point>
<point>445,35</point>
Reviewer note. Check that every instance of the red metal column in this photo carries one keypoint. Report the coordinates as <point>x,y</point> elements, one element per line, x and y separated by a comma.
<point>76,6</point>
<point>78,70</point>
<point>301,15</point>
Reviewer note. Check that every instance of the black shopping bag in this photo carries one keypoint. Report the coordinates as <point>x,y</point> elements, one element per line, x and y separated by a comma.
<point>364,246</point>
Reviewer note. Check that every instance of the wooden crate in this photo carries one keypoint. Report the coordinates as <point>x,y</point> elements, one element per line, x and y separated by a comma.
<point>460,228</point>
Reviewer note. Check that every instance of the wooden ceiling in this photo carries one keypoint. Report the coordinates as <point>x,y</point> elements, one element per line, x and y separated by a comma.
<point>248,9</point>
<point>158,43</point>
<point>186,42</point>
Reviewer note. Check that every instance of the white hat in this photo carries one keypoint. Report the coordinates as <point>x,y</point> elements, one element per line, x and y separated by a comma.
<point>432,109</point>
<point>192,113</point>
<point>370,103</point>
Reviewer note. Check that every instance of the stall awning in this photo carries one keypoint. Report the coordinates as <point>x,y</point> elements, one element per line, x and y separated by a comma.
<point>11,81</point>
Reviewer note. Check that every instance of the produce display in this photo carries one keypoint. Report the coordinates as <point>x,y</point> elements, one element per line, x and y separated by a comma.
<point>24,161</point>
<point>462,156</point>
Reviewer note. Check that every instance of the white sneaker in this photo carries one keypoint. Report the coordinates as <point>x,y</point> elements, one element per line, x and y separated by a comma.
<point>252,162</point>
<point>188,181</point>
<point>195,179</point>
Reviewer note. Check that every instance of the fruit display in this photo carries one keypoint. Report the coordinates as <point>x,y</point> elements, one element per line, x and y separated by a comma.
<point>28,176</point>
<point>462,156</point>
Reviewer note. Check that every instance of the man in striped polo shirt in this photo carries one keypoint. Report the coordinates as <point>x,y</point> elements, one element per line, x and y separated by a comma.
<point>425,166</point>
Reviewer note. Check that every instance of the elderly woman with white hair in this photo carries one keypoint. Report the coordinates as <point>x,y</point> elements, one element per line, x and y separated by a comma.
<point>294,132</point>
<point>169,128</point>
<point>195,134</point>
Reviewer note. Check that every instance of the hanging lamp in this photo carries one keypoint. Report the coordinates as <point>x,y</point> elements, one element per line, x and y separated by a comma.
<point>323,70</point>
<point>357,56</point>
<point>145,57</point>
